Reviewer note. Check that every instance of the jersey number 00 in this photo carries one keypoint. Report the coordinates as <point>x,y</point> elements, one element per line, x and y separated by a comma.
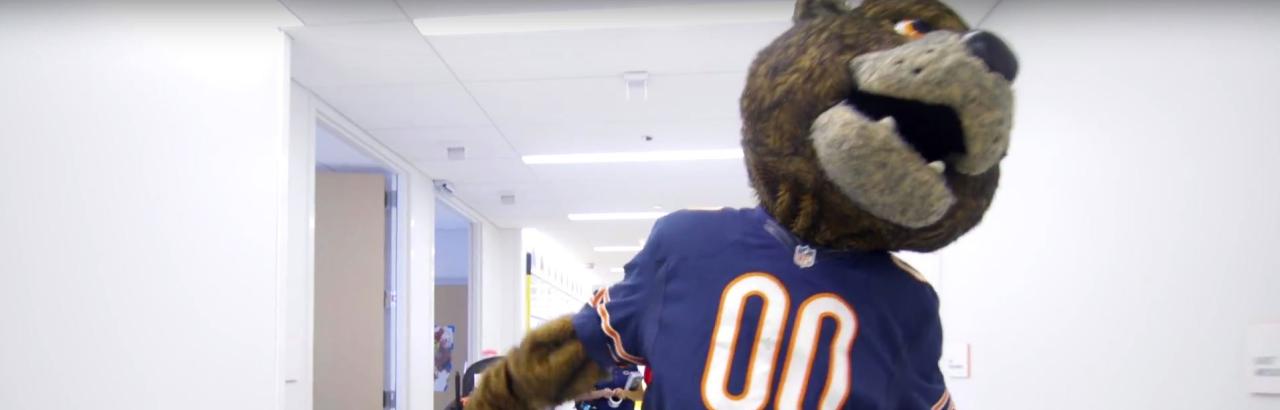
<point>807,326</point>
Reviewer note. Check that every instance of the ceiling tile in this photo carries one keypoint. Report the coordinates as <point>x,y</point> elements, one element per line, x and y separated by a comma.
<point>447,8</point>
<point>569,137</point>
<point>671,98</point>
<point>641,174</point>
<point>315,12</point>
<point>534,202</point>
<point>606,52</point>
<point>432,143</point>
<point>602,188</point>
<point>405,105</point>
<point>510,171</point>
<point>364,54</point>
<point>971,10</point>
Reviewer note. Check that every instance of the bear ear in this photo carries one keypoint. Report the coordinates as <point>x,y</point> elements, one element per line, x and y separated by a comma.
<point>809,9</point>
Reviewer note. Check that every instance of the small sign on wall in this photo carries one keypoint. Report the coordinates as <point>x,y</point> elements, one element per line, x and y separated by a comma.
<point>955,360</point>
<point>1264,359</point>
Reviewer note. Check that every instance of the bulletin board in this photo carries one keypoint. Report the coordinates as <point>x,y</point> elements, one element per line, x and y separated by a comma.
<point>553,288</point>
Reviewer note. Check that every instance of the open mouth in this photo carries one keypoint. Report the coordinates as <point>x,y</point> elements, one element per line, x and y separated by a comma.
<point>934,131</point>
<point>920,119</point>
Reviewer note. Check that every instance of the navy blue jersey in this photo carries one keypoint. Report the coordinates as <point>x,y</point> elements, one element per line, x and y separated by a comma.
<point>729,310</point>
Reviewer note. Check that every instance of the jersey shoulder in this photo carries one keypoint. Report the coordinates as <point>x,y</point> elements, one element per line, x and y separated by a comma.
<point>700,232</point>
<point>904,267</point>
<point>903,284</point>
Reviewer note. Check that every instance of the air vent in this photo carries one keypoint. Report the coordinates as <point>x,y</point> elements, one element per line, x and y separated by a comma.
<point>457,153</point>
<point>637,85</point>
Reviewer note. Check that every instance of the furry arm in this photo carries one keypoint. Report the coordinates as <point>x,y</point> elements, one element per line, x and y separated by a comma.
<point>548,368</point>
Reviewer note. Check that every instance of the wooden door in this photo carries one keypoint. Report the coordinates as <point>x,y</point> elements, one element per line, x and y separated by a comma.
<point>350,281</point>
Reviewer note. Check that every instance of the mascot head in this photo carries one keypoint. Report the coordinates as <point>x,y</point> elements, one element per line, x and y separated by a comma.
<point>880,126</point>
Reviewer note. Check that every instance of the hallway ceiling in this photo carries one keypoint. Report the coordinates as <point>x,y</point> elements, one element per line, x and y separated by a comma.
<point>505,95</point>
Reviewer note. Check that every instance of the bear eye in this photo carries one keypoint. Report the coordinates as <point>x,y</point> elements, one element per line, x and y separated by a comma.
<point>913,29</point>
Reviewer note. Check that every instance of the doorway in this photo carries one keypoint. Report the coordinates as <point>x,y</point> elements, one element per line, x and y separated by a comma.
<point>454,253</point>
<point>355,317</point>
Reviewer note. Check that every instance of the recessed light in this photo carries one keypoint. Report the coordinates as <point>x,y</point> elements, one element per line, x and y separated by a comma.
<point>616,249</point>
<point>617,216</point>
<point>622,157</point>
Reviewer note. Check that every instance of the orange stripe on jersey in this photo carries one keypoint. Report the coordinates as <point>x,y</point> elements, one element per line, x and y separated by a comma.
<point>906,267</point>
<point>597,302</point>
<point>599,296</point>
<point>619,350</point>
<point>942,401</point>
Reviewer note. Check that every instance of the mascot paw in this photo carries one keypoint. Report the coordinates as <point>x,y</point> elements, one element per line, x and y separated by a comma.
<point>549,368</point>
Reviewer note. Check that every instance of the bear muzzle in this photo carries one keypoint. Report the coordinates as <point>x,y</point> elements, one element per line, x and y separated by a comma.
<point>936,108</point>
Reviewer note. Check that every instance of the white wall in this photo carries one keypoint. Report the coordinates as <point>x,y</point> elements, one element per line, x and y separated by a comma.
<point>502,286</point>
<point>140,171</point>
<point>418,305</point>
<point>1134,236</point>
<point>297,254</point>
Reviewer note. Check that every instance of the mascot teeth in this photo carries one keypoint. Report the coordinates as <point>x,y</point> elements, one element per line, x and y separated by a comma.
<point>939,166</point>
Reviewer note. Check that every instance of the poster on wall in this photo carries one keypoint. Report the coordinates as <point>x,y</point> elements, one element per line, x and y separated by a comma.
<point>444,356</point>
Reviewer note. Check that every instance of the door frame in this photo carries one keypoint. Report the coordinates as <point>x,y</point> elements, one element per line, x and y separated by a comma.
<point>412,247</point>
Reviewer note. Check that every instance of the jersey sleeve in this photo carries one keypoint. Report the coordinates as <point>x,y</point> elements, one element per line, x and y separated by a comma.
<point>620,323</point>
<point>923,341</point>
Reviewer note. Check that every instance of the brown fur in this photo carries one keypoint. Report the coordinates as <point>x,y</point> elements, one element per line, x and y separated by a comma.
<point>548,368</point>
<point>796,78</point>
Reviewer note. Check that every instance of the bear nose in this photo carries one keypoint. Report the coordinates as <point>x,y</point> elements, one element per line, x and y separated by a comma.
<point>993,51</point>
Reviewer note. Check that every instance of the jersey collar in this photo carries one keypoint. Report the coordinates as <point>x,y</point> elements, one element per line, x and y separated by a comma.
<point>791,242</point>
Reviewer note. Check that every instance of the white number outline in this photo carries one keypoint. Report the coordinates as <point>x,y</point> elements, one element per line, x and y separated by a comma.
<point>800,356</point>
<point>757,388</point>
<point>715,378</point>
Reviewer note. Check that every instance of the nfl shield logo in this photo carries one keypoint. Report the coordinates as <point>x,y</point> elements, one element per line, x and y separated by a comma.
<point>805,256</point>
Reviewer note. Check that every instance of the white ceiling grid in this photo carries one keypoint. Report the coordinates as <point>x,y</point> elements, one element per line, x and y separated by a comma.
<point>503,95</point>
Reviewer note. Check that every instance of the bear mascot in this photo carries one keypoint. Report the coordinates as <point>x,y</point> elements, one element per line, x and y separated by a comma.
<point>867,129</point>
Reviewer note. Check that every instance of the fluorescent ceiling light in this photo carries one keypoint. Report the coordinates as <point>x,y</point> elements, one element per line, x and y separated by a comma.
<point>600,19</point>
<point>650,156</point>
<point>617,216</point>
<point>617,249</point>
